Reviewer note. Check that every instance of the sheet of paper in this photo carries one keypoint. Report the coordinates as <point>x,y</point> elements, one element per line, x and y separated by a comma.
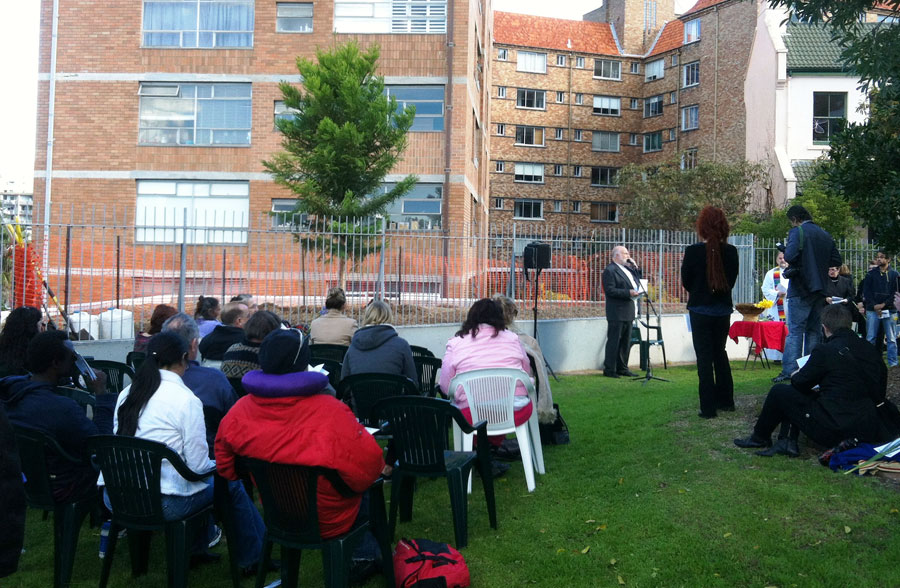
<point>372,430</point>
<point>318,368</point>
<point>801,361</point>
<point>836,300</point>
<point>886,445</point>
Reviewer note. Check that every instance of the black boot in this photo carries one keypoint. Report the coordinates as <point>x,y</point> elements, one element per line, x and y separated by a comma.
<point>753,442</point>
<point>788,447</point>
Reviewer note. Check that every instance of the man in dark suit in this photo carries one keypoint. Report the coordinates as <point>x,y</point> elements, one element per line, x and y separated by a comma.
<point>812,250</point>
<point>621,283</point>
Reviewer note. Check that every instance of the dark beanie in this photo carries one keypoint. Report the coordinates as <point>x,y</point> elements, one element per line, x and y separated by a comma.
<point>284,351</point>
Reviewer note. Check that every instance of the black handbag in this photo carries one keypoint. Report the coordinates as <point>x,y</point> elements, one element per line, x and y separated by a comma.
<point>557,432</point>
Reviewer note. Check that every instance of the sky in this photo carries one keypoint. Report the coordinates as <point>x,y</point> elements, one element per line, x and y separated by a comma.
<point>18,68</point>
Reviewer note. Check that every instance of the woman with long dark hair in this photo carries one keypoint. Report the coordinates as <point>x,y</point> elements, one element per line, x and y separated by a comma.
<point>21,326</point>
<point>159,407</point>
<point>708,272</point>
<point>206,313</point>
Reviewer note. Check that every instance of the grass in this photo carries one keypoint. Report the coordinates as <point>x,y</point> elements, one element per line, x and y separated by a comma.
<point>647,494</point>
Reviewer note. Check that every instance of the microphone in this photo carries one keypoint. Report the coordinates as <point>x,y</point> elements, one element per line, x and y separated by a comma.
<point>630,263</point>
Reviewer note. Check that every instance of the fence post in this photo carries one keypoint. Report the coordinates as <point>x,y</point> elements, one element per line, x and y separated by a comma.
<point>181,277</point>
<point>224,255</point>
<point>659,263</point>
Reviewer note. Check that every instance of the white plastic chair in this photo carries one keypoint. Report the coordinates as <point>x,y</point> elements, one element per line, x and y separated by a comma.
<point>491,393</point>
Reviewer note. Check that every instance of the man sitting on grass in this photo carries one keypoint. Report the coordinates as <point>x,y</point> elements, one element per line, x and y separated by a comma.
<point>832,398</point>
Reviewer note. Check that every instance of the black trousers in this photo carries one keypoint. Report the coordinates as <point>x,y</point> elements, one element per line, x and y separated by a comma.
<point>618,346</point>
<point>709,334</point>
<point>784,403</point>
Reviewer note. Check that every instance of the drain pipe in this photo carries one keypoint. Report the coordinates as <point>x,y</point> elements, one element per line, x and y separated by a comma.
<point>448,144</point>
<point>51,111</point>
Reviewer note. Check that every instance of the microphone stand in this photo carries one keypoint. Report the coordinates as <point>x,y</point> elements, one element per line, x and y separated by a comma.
<point>648,375</point>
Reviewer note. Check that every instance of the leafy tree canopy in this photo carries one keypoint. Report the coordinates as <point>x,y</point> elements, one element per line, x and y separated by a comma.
<point>667,196</point>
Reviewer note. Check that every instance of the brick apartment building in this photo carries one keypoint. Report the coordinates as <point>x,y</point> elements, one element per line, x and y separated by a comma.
<point>160,108</point>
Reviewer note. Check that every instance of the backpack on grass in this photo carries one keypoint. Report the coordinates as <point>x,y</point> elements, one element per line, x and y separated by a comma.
<point>420,563</point>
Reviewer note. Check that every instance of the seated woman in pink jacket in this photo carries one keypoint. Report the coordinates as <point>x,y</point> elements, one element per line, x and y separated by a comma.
<point>484,342</point>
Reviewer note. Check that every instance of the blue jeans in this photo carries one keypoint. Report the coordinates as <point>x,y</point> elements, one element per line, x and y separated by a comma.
<point>887,326</point>
<point>804,323</point>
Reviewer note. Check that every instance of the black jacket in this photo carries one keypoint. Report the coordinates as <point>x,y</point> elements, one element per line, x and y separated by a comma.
<point>851,377</point>
<point>814,255</point>
<point>840,288</point>
<point>379,349</point>
<point>617,287</point>
<point>693,276</point>
<point>879,288</point>
<point>214,345</point>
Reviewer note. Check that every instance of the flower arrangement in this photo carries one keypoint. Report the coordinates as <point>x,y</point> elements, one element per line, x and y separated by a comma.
<point>764,304</point>
<point>751,312</point>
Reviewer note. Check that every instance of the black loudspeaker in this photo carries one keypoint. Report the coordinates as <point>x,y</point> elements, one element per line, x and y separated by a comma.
<point>537,256</point>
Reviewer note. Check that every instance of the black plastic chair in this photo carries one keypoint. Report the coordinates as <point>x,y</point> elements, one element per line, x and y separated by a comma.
<point>427,368</point>
<point>328,351</point>
<point>420,427</point>
<point>83,398</point>
<point>116,372</point>
<point>290,509</point>
<point>418,351</point>
<point>332,367</point>
<point>34,448</point>
<point>131,471</point>
<point>135,358</point>
<point>362,391</point>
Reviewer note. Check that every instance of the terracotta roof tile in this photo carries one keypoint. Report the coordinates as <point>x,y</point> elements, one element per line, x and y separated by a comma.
<point>672,37</point>
<point>553,33</point>
<point>702,5</point>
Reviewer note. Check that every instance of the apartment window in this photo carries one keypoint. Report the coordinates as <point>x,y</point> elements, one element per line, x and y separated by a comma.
<point>689,159</point>
<point>576,206</point>
<point>528,61</point>
<point>498,203</point>
<point>605,141</point>
<point>634,139</point>
<point>579,62</point>
<point>499,166</point>
<point>204,24</point>
<point>559,134</point>
<point>653,142</point>
<point>560,97</point>
<point>578,134</point>
<point>690,118</point>
<point>284,217</point>
<point>607,105</point>
<point>604,212</point>
<point>530,98</point>
<point>282,112</point>
<point>530,172</point>
<point>671,134</point>
<point>557,169</point>
<point>219,210</point>
<point>294,17</point>
<point>829,115</point>
<point>501,128</point>
<point>194,114</point>
<point>501,91</point>
<point>526,209</point>
<point>557,206</point>
<point>673,97</point>
<point>530,136</point>
<point>607,69</point>
<point>502,54</point>
<point>635,67</point>
<point>692,31</point>
<point>576,171</point>
<point>653,106</point>
<point>654,70</point>
<point>429,103</point>
<point>390,16</point>
<point>603,176</point>
<point>579,98</point>
<point>635,103</point>
<point>419,209</point>
<point>674,59</point>
<point>690,75</point>
<point>561,60</point>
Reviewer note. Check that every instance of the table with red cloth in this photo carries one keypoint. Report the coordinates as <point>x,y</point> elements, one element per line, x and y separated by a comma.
<point>762,334</point>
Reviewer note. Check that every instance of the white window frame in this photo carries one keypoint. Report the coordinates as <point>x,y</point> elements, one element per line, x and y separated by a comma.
<point>579,98</point>
<point>557,206</point>
<point>607,106</point>
<point>560,60</point>
<point>609,69</point>
<point>217,211</point>
<point>529,173</point>
<point>560,97</point>
<point>421,117</point>
<point>502,54</point>
<point>653,106</point>
<point>184,127</point>
<point>649,142</point>
<point>635,104</point>
<point>283,217</point>
<point>692,31</point>
<point>501,91</point>
<point>498,203</point>
<point>673,97</point>
<point>531,62</point>
<point>690,117</point>
<point>634,139</point>
<point>606,141</point>
<point>520,203</point>
<point>576,171</point>
<point>528,136</point>
<point>281,111</point>
<point>282,16</point>
<point>559,134</point>
<point>217,38</point>
<point>578,135</point>
<point>690,74</point>
<point>595,212</point>
<point>635,67</point>
<point>501,129</point>
<point>689,159</point>
<point>557,169</point>
<point>674,60</point>
<point>655,70</point>
<point>610,173</point>
<point>499,167</point>
<point>522,98</point>
<point>579,62</point>
<point>576,206</point>
<point>390,17</point>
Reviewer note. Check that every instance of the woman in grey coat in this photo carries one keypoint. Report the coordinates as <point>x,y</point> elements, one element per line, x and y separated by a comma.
<point>377,348</point>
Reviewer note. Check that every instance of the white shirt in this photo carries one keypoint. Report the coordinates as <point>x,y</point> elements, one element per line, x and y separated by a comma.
<point>173,416</point>
<point>634,286</point>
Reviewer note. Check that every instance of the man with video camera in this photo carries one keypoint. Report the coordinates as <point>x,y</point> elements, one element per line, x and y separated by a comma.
<point>810,251</point>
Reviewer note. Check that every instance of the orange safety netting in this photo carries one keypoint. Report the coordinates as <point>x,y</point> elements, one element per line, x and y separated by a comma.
<point>27,285</point>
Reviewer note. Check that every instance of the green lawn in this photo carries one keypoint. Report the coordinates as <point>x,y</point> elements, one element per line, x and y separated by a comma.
<point>647,494</point>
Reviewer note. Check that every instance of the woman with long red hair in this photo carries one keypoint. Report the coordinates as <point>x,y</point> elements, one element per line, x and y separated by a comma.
<point>708,272</point>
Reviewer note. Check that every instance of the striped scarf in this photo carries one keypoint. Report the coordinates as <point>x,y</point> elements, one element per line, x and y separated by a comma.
<point>779,300</point>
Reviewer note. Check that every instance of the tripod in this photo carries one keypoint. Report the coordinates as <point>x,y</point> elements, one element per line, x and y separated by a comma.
<point>649,373</point>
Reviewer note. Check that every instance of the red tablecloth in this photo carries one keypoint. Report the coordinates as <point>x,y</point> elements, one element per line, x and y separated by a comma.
<point>765,335</point>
